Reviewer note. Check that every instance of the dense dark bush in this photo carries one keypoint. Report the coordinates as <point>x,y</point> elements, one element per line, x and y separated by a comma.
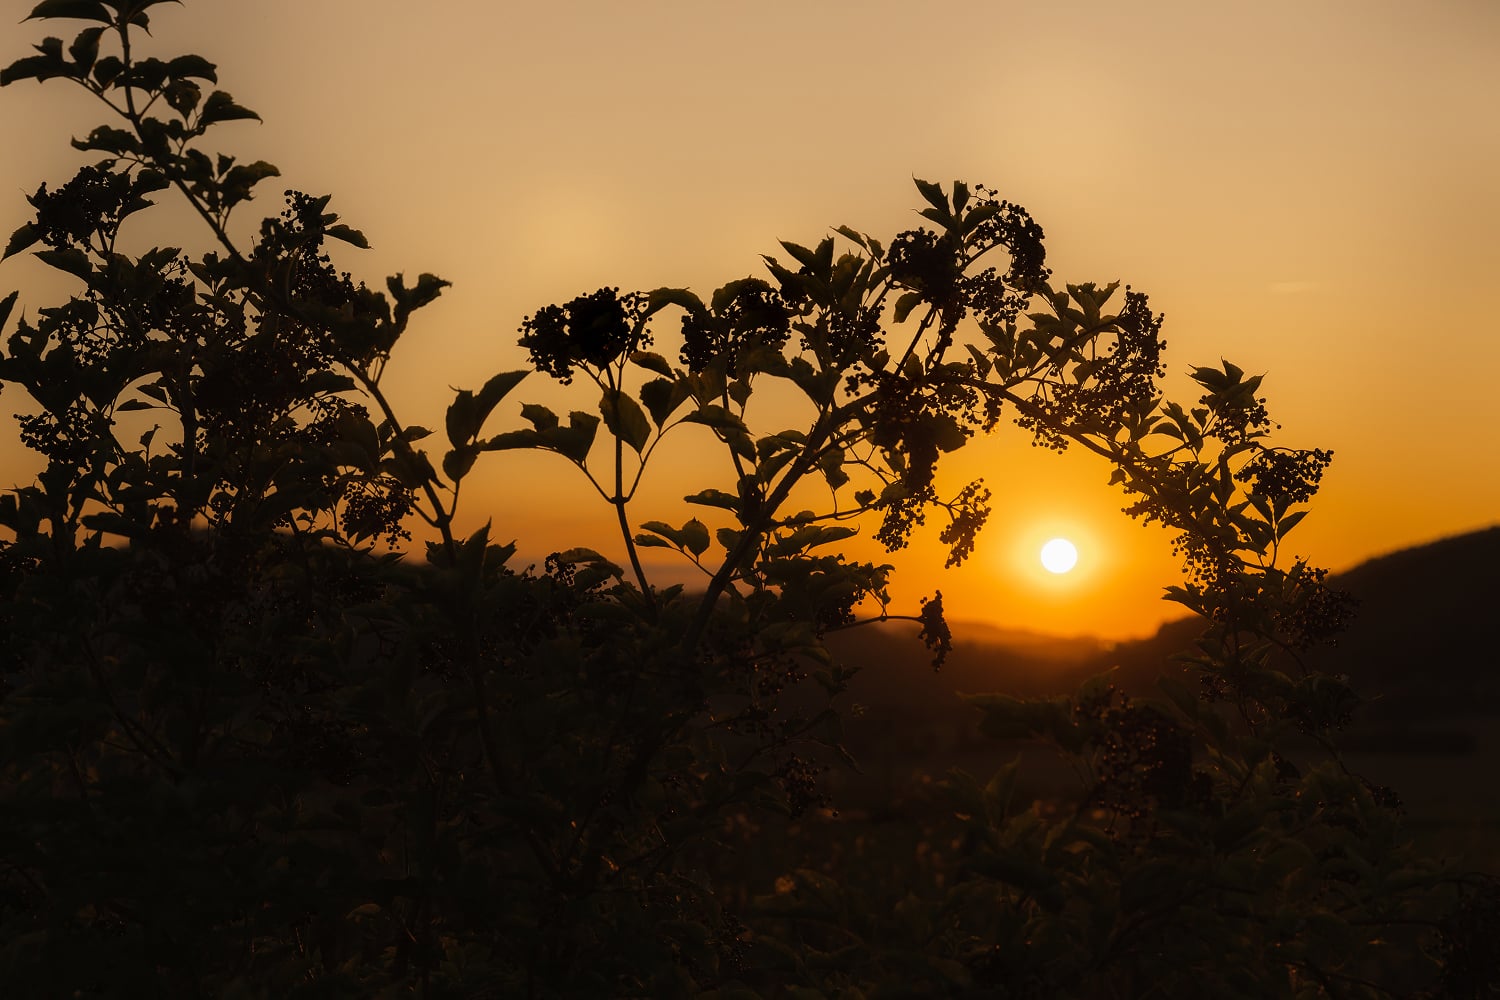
<point>248,752</point>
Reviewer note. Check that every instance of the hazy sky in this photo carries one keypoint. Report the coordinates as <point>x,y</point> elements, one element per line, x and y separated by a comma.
<point>1308,189</point>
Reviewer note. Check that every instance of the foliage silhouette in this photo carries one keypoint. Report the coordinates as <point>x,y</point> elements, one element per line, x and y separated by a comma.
<point>247,754</point>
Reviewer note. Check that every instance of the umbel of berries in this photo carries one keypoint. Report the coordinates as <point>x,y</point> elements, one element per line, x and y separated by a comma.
<point>592,331</point>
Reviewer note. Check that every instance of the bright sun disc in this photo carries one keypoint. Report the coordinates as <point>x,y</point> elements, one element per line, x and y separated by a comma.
<point>1059,555</point>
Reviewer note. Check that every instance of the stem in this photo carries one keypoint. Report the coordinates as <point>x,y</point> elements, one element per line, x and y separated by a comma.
<point>619,501</point>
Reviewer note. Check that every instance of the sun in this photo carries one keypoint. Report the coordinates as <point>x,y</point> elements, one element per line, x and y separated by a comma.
<point>1059,555</point>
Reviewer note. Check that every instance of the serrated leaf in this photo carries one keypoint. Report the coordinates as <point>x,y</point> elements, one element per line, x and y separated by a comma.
<point>665,530</point>
<point>933,193</point>
<point>22,239</point>
<point>659,298</point>
<point>351,236</point>
<point>71,260</point>
<point>511,440</point>
<point>85,48</point>
<point>220,107</point>
<point>717,417</point>
<point>651,361</point>
<point>539,416</point>
<point>715,498</point>
<point>109,140</point>
<point>193,66</point>
<point>575,440</point>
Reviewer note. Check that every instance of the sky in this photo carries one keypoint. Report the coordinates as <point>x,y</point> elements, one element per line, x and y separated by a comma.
<point>1308,189</point>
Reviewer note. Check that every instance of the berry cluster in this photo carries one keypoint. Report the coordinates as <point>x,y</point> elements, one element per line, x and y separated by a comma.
<point>746,313</point>
<point>591,331</point>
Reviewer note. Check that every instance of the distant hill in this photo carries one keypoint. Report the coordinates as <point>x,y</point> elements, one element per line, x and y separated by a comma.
<point>1422,642</point>
<point>1422,647</point>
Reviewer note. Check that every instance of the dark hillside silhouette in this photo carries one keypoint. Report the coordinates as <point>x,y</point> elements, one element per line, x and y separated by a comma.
<point>1421,641</point>
<point>1420,649</point>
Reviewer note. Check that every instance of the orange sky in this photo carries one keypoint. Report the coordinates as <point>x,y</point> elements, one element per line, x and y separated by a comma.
<point>1307,189</point>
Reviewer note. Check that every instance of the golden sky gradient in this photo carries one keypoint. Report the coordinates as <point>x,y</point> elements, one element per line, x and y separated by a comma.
<point>1309,189</point>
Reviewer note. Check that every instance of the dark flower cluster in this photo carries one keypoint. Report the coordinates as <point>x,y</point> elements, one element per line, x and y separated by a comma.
<point>1143,756</point>
<point>91,204</point>
<point>321,296</point>
<point>926,262</point>
<point>591,331</point>
<point>376,508</point>
<point>935,634</point>
<point>846,335</point>
<point>71,436</point>
<point>1284,474</point>
<point>918,422</point>
<point>901,516</point>
<point>995,303</point>
<point>798,778</point>
<point>1010,226</point>
<point>1318,613</point>
<point>1120,381</point>
<point>746,313</point>
<point>1242,416</point>
<point>1128,379</point>
<point>969,512</point>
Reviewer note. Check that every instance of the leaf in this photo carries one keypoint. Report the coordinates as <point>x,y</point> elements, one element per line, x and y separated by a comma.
<point>665,530</point>
<point>85,48</point>
<point>695,536</point>
<point>496,389</point>
<point>37,68</point>
<point>572,557</point>
<point>541,418</point>
<point>468,411</point>
<point>933,193</point>
<point>220,107</point>
<point>461,422</point>
<point>717,417</point>
<point>511,440</point>
<point>904,305</point>
<point>852,236</point>
<point>134,404</point>
<point>351,236</point>
<point>71,260</point>
<point>651,361</point>
<point>715,498</point>
<point>625,419</point>
<point>6,305</point>
<point>662,398</point>
<point>109,140</point>
<point>84,10</point>
<point>458,462</point>
<point>1283,526</point>
<point>193,66</point>
<point>659,298</point>
<point>409,300</point>
<point>574,440</point>
<point>22,239</point>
